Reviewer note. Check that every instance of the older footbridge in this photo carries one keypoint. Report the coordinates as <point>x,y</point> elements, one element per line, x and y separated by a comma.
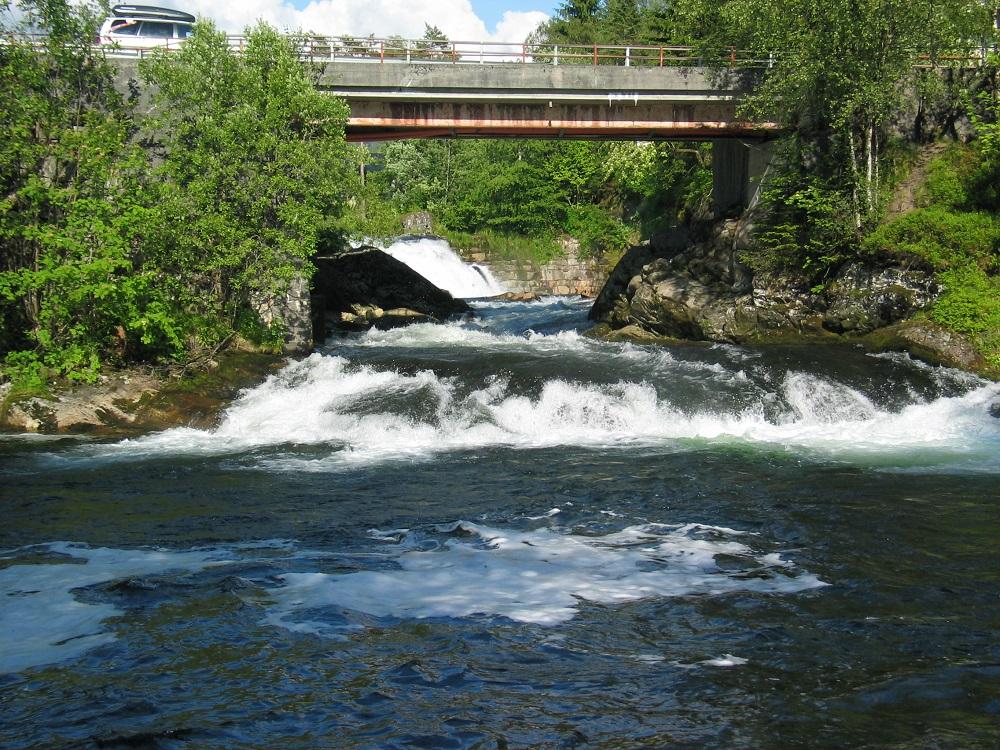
<point>423,89</point>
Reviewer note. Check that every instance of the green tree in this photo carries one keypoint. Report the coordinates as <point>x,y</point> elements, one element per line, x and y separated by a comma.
<point>254,168</point>
<point>73,227</point>
<point>838,71</point>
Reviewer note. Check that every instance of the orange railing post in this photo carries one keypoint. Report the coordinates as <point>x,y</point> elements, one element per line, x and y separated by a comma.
<point>595,54</point>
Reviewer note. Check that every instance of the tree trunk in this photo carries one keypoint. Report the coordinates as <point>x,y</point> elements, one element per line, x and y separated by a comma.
<point>855,179</point>
<point>870,172</point>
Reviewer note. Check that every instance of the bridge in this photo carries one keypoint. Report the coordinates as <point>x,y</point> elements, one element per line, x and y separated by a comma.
<point>400,88</point>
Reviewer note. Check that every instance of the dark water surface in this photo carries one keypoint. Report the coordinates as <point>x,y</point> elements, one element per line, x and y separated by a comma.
<point>501,534</point>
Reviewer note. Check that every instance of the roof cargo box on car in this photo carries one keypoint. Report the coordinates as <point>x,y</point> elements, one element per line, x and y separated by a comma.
<point>152,12</point>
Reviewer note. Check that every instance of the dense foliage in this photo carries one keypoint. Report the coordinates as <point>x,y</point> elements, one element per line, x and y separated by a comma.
<point>253,168</point>
<point>106,258</point>
<point>68,183</point>
<point>955,234</point>
<point>492,192</point>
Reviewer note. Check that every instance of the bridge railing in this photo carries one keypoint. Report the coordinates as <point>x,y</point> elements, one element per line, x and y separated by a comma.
<point>395,49</point>
<point>316,48</point>
<point>371,49</point>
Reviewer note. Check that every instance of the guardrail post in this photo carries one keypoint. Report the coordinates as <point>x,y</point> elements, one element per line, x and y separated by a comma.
<point>381,51</point>
<point>453,58</point>
<point>482,52</point>
<point>595,54</point>
<point>407,43</point>
<point>524,53</point>
<point>555,55</point>
<point>732,55</point>
<point>661,57</point>
<point>770,59</point>
<point>628,57</point>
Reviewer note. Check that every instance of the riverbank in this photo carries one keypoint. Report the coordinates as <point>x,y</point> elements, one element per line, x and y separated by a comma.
<point>136,401</point>
<point>662,297</point>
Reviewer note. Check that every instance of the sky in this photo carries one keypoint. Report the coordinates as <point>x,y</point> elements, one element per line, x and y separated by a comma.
<point>460,20</point>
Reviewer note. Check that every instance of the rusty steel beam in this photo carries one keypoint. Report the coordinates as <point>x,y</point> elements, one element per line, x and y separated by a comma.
<point>389,131</point>
<point>379,120</point>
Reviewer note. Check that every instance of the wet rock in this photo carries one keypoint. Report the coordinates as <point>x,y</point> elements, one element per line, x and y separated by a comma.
<point>862,299</point>
<point>136,401</point>
<point>995,410</point>
<point>929,342</point>
<point>517,297</point>
<point>419,222</point>
<point>360,284</point>
<point>702,291</point>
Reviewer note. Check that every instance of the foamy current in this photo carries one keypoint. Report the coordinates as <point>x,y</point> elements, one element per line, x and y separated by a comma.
<point>355,400</point>
<point>456,570</point>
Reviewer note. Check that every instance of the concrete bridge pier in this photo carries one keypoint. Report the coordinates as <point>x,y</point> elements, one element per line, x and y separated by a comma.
<point>739,171</point>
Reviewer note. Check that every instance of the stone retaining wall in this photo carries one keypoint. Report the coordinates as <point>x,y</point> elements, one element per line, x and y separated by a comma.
<point>564,275</point>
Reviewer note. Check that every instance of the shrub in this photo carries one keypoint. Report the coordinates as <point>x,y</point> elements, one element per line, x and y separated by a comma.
<point>598,232</point>
<point>971,305</point>
<point>938,238</point>
<point>948,177</point>
<point>806,232</point>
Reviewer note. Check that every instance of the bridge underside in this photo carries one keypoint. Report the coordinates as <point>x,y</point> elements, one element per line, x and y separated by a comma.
<point>393,120</point>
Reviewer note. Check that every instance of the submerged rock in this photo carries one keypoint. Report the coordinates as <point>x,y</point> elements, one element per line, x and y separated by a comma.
<point>365,287</point>
<point>517,297</point>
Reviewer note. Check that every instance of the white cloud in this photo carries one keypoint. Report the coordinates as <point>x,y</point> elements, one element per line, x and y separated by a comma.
<point>383,18</point>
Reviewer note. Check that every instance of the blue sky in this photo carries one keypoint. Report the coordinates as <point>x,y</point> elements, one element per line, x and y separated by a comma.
<point>461,20</point>
<point>490,11</point>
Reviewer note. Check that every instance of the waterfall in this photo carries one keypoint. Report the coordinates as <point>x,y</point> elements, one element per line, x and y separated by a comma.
<point>438,263</point>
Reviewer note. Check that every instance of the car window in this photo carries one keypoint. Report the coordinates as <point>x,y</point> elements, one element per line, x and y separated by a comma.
<point>157,29</point>
<point>183,30</point>
<point>124,28</point>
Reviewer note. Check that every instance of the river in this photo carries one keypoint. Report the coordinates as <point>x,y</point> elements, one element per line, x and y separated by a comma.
<point>498,533</point>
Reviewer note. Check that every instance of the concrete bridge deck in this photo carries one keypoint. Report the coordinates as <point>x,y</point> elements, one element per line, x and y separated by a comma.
<point>412,100</point>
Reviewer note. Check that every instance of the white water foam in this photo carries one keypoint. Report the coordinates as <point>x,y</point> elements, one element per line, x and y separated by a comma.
<point>42,622</point>
<point>357,412</point>
<point>534,577</point>
<point>439,264</point>
<point>458,570</point>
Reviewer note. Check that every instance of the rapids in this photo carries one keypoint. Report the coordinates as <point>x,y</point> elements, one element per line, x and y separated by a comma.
<point>501,533</point>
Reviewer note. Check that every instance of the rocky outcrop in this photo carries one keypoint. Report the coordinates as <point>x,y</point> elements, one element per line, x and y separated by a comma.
<point>929,342</point>
<point>136,401</point>
<point>364,287</point>
<point>701,291</point>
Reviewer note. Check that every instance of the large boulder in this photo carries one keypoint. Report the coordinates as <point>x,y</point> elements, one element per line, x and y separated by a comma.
<point>701,291</point>
<point>358,286</point>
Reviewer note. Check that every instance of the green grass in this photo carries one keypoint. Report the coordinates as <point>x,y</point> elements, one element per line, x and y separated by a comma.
<point>959,244</point>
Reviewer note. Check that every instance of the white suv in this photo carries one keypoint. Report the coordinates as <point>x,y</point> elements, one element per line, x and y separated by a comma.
<point>137,27</point>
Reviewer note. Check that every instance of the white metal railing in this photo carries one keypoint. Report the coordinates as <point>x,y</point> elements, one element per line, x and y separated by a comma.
<point>371,49</point>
